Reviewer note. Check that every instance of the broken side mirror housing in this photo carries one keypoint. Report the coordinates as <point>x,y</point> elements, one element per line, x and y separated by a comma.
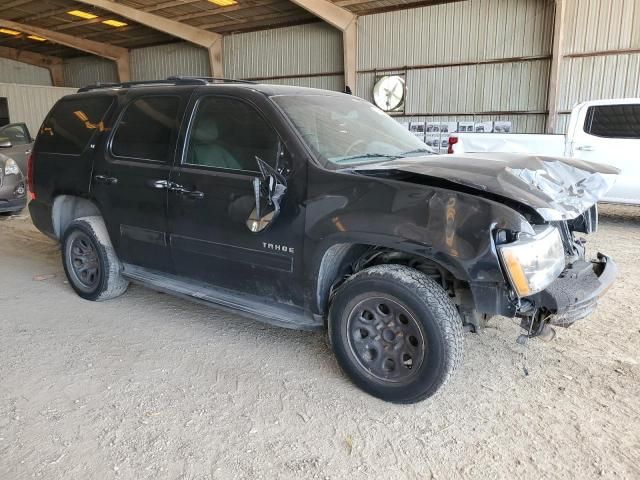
<point>269,190</point>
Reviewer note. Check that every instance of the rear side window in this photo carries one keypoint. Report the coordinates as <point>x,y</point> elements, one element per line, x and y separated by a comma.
<point>614,121</point>
<point>147,129</point>
<point>71,124</point>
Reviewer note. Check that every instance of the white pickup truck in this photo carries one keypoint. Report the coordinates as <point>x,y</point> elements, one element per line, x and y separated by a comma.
<point>603,131</point>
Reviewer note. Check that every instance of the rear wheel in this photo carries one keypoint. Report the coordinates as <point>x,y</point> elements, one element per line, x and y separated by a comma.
<point>395,333</point>
<point>91,264</point>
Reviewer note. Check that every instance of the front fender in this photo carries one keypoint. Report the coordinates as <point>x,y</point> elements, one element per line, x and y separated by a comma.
<point>453,229</point>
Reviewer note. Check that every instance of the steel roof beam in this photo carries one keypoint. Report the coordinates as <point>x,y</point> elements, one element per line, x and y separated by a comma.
<point>347,23</point>
<point>118,54</point>
<point>210,40</point>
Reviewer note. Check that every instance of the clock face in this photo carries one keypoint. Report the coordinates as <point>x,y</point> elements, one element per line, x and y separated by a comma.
<point>388,93</point>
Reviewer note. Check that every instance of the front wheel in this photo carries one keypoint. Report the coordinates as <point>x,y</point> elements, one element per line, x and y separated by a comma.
<point>395,333</point>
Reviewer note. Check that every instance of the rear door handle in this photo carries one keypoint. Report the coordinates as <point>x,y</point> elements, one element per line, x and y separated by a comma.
<point>105,179</point>
<point>585,148</point>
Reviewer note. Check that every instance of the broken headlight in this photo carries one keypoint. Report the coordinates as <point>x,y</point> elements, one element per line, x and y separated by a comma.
<point>533,262</point>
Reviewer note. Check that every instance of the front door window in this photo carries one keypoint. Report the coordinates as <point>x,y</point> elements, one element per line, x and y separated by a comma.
<point>229,134</point>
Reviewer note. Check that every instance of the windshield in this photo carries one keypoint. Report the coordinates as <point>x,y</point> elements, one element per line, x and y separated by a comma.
<point>345,131</point>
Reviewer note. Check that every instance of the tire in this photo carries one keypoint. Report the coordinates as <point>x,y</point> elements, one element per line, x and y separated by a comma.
<point>404,352</point>
<point>90,262</point>
<point>11,213</point>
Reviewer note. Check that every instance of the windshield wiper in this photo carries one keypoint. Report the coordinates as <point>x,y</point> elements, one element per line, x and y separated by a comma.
<point>417,150</point>
<point>366,155</point>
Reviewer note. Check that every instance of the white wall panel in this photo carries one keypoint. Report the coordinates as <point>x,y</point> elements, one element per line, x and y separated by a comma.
<point>600,25</point>
<point>160,62</point>
<point>31,103</point>
<point>593,78</point>
<point>81,71</point>
<point>469,57</point>
<point>303,49</point>
<point>18,72</point>
<point>455,32</point>
<point>601,48</point>
<point>329,82</point>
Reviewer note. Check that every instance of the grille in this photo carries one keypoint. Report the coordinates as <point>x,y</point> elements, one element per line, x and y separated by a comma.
<point>567,237</point>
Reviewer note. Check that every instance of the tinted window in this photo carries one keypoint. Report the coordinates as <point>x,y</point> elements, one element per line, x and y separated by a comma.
<point>16,134</point>
<point>71,124</point>
<point>614,121</point>
<point>229,133</point>
<point>147,129</point>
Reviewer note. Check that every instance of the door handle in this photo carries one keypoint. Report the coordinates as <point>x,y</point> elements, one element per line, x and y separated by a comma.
<point>158,184</point>
<point>105,179</point>
<point>196,195</point>
<point>585,148</point>
<point>180,190</point>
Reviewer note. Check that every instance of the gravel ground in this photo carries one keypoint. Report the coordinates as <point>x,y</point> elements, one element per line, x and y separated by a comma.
<point>147,386</point>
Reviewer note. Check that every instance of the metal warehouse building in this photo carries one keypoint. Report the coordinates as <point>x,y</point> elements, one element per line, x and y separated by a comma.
<point>527,62</point>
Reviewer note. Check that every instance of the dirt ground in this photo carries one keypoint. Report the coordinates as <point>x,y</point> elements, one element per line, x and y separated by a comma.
<point>147,386</point>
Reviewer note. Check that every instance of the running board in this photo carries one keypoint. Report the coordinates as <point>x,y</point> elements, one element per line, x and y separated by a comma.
<point>250,306</point>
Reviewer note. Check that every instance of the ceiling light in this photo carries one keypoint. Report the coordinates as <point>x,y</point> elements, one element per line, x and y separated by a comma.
<point>36,38</point>
<point>81,14</point>
<point>8,31</point>
<point>224,3</point>
<point>115,23</point>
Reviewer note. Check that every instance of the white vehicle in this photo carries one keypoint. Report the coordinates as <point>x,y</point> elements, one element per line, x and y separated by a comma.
<point>603,131</point>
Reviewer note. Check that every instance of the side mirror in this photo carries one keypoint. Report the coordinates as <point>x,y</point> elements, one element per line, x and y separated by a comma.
<point>6,144</point>
<point>268,190</point>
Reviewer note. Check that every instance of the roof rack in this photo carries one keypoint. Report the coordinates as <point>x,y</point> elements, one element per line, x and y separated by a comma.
<point>211,79</point>
<point>174,80</point>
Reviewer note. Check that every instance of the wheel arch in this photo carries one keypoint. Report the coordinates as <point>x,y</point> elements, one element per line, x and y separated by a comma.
<point>67,208</point>
<point>336,261</point>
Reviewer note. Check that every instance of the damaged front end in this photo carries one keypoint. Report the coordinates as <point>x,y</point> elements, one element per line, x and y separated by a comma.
<point>565,287</point>
<point>548,277</point>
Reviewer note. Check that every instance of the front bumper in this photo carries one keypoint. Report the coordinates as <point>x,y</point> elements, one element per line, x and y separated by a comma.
<point>13,193</point>
<point>574,294</point>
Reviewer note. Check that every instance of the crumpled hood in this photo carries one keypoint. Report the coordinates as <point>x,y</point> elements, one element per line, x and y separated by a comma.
<point>557,188</point>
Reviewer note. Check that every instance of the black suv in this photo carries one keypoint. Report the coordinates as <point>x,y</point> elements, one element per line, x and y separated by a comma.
<point>307,209</point>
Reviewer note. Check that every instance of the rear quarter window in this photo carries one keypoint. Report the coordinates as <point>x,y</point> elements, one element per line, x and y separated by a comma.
<point>71,124</point>
<point>613,121</point>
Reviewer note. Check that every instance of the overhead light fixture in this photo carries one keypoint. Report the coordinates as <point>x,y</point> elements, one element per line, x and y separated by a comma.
<point>9,31</point>
<point>81,14</point>
<point>115,23</point>
<point>37,38</point>
<point>224,3</point>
